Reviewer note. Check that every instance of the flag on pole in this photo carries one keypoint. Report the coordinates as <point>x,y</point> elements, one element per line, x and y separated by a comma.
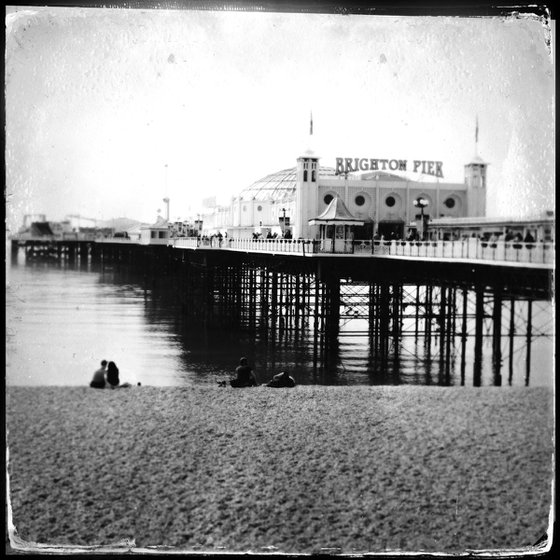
<point>311,124</point>
<point>476,132</point>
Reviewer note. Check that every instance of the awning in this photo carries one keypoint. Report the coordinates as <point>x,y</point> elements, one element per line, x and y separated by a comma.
<point>336,213</point>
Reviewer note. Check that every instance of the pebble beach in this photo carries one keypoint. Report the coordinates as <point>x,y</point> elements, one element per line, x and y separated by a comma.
<point>308,470</point>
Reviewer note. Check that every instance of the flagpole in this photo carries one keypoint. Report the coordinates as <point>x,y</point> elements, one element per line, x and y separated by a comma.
<point>476,136</point>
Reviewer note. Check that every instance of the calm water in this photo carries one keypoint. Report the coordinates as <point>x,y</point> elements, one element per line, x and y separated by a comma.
<point>61,320</point>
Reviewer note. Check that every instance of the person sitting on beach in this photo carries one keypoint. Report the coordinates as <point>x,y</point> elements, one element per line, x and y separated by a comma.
<point>113,375</point>
<point>98,381</point>
<point>245,376</point>
<point>282,379</point>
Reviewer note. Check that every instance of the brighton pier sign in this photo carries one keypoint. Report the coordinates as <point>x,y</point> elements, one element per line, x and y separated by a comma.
<point>349,165</point>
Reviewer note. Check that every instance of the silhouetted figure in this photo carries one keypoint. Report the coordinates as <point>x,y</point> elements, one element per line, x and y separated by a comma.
<point>113,374</point>
<point>98,381</point>
<point>245,376</point>
<point>282,379</point>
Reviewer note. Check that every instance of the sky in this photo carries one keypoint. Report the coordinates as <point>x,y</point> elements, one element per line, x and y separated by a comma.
<point>110,110</point>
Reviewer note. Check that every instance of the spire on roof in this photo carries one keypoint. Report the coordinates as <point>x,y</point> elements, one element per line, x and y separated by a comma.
<point>476,137</point>
<point>309,148</point>
<point>476,159</point>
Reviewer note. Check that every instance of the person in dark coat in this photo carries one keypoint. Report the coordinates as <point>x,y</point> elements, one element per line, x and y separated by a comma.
<point>282,379</point>
<point>113,374</point>
<point>244,375</point>
<point>98,381</point>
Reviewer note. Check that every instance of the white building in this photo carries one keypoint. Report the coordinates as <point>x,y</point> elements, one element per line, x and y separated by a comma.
<point>156,233</point>
<point>369,188</point>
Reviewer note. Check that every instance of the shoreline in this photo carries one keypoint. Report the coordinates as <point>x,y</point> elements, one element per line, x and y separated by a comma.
<point>314,468</point>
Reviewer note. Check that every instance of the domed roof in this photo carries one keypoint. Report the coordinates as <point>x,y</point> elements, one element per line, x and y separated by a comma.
<point>279,186</point>
<point>476,159</point>
<point>381,176</point>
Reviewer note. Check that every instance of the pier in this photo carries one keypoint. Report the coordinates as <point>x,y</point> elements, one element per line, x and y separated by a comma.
<point>440,293</point>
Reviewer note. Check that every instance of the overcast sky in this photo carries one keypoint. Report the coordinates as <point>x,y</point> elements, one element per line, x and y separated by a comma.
<point>110,110</point>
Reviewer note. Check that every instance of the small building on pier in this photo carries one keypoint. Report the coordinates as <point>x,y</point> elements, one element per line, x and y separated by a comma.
<point>36,230</point>
<point>336,227</point>
<point>156,233</point>
<point>540,228</point>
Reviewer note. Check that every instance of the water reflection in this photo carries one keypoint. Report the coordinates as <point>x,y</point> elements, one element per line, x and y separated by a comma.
<point>62,319</point>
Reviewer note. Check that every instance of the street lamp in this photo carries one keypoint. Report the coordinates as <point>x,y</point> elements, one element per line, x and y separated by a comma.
<point>421,203</point>
<point>166,200</point>
<point>282,220</point>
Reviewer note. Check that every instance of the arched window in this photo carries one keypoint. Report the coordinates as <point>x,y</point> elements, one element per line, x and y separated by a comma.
<point>313,176</point>
<point>305,175</point>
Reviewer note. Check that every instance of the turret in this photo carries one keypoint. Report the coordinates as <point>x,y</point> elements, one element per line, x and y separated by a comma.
<point>306,187</point>
<point>475,180</point>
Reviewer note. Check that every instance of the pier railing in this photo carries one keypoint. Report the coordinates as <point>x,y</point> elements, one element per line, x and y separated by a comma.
<point>477,249</point>
<point>539,253</point>
<point>469,249</point>
<point>298,246</point>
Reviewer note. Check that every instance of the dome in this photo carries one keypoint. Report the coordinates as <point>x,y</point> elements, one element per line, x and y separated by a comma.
<point>477,160</point>
<point>279,186</point>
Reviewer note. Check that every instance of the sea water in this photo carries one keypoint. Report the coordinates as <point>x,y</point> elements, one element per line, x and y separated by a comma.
<point>62,320</point>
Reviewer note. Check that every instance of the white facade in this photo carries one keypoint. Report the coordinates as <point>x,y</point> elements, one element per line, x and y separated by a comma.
<point>155,234</point>
<point>383,200</point>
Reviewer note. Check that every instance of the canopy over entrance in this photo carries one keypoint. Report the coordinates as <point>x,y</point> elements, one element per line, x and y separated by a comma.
<point>336,227</point>
<point>336,213</point>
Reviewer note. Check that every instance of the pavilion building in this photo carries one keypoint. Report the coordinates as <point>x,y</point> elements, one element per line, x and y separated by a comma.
<point>380,201</point>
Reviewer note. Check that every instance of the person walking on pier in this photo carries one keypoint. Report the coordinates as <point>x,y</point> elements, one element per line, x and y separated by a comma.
<point>244,375</point>
<point>98,381</point>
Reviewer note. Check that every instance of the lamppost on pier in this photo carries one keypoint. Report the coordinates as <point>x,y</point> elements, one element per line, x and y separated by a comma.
<point>166,200</point>
<point>198,225</point>
<point>283,220</point>
<point>421,203</point>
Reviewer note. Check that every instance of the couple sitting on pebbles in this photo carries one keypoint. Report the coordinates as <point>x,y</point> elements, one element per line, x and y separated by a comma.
<point>107,374</point>
<point>246,378</point>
